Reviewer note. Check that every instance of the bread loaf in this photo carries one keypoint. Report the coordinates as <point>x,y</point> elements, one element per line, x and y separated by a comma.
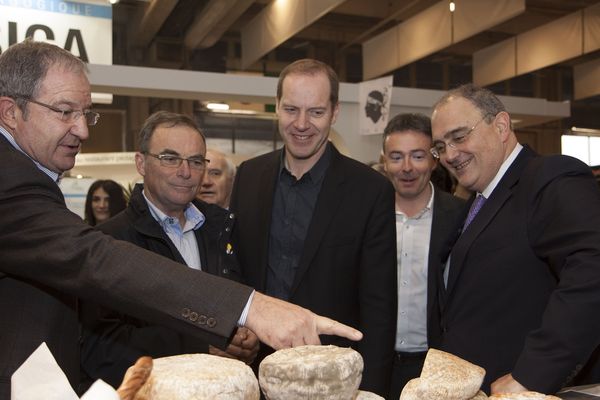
<point>199,377</point>
<point>311,372</point>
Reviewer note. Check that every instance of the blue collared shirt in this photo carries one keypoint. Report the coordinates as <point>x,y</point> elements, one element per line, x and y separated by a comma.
<point>53,175</point>
<point>183,238</point>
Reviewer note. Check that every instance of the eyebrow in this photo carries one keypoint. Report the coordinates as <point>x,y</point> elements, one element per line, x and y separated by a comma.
<point>452,132</point>
<point>176,153</point>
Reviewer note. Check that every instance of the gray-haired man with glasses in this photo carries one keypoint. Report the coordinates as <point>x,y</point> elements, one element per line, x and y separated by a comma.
<point>164,217</point>
<point>50,257</point>
<point>523,277</point>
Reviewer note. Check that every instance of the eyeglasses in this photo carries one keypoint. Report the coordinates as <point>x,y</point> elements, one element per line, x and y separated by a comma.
<point>455,140</point>
<point>171,161</point>
<point>68,116</point>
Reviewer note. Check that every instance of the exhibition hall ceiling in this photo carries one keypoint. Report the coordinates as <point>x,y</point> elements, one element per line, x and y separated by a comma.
<point>215,35</point>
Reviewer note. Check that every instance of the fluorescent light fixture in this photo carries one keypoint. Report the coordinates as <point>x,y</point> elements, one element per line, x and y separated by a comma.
<point>218,106</point>
<point>452,6</point>
<point>102,98</point>
<point>584,131</point>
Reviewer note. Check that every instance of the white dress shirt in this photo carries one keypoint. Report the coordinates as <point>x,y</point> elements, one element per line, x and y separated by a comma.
<point>413,235</point>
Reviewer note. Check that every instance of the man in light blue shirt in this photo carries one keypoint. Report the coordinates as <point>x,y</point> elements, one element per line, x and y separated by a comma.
<point>164,217</point>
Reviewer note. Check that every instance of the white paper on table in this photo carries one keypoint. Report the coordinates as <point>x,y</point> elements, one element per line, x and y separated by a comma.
<point>40,377</point>
<point>101,390</point>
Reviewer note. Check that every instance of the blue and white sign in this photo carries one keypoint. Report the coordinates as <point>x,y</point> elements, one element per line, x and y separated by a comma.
<point>82,27</point>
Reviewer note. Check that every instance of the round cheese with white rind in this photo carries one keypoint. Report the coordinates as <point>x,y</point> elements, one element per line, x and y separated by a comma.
<point>199,377</point>
<point>311,372</point>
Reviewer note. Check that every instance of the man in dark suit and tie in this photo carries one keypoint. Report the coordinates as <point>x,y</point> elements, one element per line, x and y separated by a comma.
<point>425,218</point>
<point>523,278</point>
<point>317,228</point>
<point>50,256</point>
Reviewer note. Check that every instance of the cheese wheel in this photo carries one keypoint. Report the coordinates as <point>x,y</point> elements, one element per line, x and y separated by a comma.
<point>199,376</point>
<point>311,372</point>
<point>445,376</point>
<point>523,396</point>
<point>412,390</point>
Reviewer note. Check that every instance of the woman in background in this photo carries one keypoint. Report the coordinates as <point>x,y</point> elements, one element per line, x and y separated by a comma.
<point>105,198</point>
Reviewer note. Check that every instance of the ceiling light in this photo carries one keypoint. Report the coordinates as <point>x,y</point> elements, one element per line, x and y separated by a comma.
<point>113,1</point>
<point>218,106</point>
<point>452,6</point>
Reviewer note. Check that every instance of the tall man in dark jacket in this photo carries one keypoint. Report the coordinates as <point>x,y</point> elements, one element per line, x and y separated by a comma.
<point>317,228</point>
<point>163,217</point>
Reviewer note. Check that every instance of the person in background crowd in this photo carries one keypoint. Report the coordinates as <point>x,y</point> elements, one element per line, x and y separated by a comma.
<point>51,257</point>
<point>164,217</point>
<point>105,199</point>
<point>425,218</point>
<point>218,179</point>
<point>522,281</point>
<point>317,228</point>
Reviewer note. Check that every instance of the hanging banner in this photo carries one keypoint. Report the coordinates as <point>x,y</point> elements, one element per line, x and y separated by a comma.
<point>374,105</point>
<point>82,27</point>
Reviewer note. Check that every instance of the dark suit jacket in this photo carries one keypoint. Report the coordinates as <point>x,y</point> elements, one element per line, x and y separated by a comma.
<point>524,286</point>
<point>113,341</point>
<point>448,213</point>
<point>49,256</point>
<point>347,270</point>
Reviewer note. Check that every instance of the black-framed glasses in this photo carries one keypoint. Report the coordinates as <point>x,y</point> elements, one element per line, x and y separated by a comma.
<point>455,140</point>
<point>173,161</point>
<point>68,116</point>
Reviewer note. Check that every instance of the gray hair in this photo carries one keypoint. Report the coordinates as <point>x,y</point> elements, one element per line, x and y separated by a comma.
<point>486,102</point>
<point>229,164</point>
<point>167,119</point>
<point>23,67</point>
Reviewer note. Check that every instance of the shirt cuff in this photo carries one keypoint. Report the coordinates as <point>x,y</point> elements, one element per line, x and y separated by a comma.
<point>242,320</point>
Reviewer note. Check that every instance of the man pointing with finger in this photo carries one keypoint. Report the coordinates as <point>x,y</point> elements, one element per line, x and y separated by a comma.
<point>50,257</point>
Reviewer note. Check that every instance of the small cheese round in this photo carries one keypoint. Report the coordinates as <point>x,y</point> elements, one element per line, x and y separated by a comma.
<point>523,396</point>
<point>445,376</point>
<point>199,376</point>
<point>311,372</point>
<point>412,390</point>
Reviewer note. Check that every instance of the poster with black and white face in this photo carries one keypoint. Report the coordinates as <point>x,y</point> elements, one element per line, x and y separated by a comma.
<point>374,105</point>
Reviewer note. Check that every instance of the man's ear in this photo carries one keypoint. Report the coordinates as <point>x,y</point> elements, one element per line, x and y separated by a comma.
<point>140,163</point>
<point>8,112</point>
<point>502,125</point>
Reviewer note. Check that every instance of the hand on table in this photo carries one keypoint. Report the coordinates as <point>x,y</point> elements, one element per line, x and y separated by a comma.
<point>507,384</point>
<point>244,346</point>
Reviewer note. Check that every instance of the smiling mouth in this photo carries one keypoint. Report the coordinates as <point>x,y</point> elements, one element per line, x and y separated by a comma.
<point>462,165</point>
<point>301,137</point>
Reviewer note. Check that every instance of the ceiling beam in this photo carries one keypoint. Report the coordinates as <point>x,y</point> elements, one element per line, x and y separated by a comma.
<point>155,15</point>
<point>213,21</point>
